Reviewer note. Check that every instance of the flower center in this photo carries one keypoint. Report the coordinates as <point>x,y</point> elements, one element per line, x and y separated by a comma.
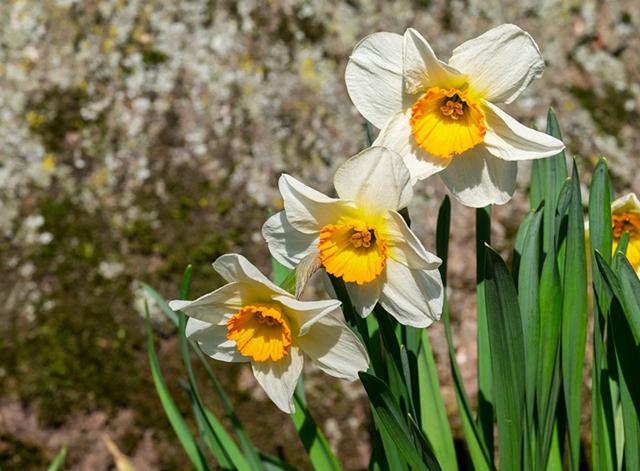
<point>446,123</point>
<point>354,252</point>
<point>260,332</point>
<point>627,222</point>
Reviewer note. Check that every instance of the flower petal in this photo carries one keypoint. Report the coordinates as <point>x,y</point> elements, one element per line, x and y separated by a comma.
<point>309,210</point>
<point>364,297</point>
<point>306,313</point>
<point>396,135</point>
<point>413,297</point>
<point>507,139</point>
<point>235,267</point>
<point>362,177</point>
<point>279,378</point>
<point>500,63</point>
<point>287,245</point>
<point>405,247</point>
<point>212,340</point>
<point>214,307</point>
<point>422,69</point>
<point>335,349</point>
<point>476,178</point>
<point>374,76</point>
<point>626,203</point>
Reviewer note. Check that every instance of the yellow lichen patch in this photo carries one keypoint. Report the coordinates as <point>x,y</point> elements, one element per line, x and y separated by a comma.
<point>446,123</point>
<point>628,222</point>
<point>354,252</point>
<point>260,332</point>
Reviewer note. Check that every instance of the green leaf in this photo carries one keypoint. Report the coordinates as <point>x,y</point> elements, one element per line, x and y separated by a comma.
<point>312,438</point>
<point>171,411</point>
<point>486,402</point>
<point>482,460</point>
<point>506,345</point>
<point>58,461</point>
<point>630,291</point>
<point>432,409</point>
<point>574,319</point>
<point>415,450</point>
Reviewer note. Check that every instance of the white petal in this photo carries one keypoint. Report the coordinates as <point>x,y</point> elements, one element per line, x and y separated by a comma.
<point>477,179</point>
<point>212,340</point>
<point>287,245</point>
<point>507,139</point>
<point>214,307</point>
<point>422,69</point>
<point>374,76</point>
<point>500,63</point>
<point>309,210</point>
<point>396,135</point>
<point>405,247</point>
<point>306,313</point>
<point>413,297</point>
<point>235,267</point>
<point>376,179</point>
<point>627,203</point>
<point>335,349</point>
<point>279,378</point>
<point>365,297</point>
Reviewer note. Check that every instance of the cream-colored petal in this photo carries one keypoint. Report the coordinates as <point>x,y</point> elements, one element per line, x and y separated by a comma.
<point>235,267</point>
<point>626,203</point>
<point>507,139</point>
<point>304,314</point>
<point>217,306</point>
<point>287,245</point>
<point>309,210</point>
<point>500,63</point>
<point>477,178</point>
<point>334,349</point>
<point>376,179</point>
<point>396,135</point>
<point>364,297</point>
<point>422,69</point>
<point>405,247</point>
<point>279,378</point>
<point>374,76</point>
<point>412,297</point>
<point>212,340</point>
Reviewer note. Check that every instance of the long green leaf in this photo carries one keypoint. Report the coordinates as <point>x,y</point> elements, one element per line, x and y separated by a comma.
<point>506,344</point>
<point>58,461</point>
<point>417,452</point>
<point>574,319</point>
<point>630,290</point>
<point>481,458</point>
<point>173,414</point>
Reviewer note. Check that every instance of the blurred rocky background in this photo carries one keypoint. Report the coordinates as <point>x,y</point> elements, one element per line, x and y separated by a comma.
<point>139,136</point>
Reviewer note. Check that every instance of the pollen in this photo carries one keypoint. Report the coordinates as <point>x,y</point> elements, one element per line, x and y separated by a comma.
<point>261,332</point>
<point>354,252</point>
<point>447,123</point>
<point>628,222</point>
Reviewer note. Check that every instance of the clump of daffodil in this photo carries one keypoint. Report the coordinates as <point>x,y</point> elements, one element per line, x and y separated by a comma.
<point>252,320</point>
<point>625,217</point>
<point>361,238</point>
<point>442,117</point>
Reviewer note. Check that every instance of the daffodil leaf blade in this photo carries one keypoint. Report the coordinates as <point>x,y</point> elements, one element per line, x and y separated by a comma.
<point>630,292</point>
<point>171,410</point>
<point>574,318</point>
<point>507,355</point>
<point>58,460</point>
<point>312,438</point>
<point>391,419</point>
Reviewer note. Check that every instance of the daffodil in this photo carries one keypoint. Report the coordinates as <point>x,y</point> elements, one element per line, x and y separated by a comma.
<point>442,117</point>
<point>361,238</point>
<point>625,217</point>
<point>252,320</point>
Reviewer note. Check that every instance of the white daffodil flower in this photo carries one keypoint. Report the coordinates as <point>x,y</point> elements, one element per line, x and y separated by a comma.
<point>252,320</point>
<point>441,117</point>
<point>361,238</point>
<point>625,217</point>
